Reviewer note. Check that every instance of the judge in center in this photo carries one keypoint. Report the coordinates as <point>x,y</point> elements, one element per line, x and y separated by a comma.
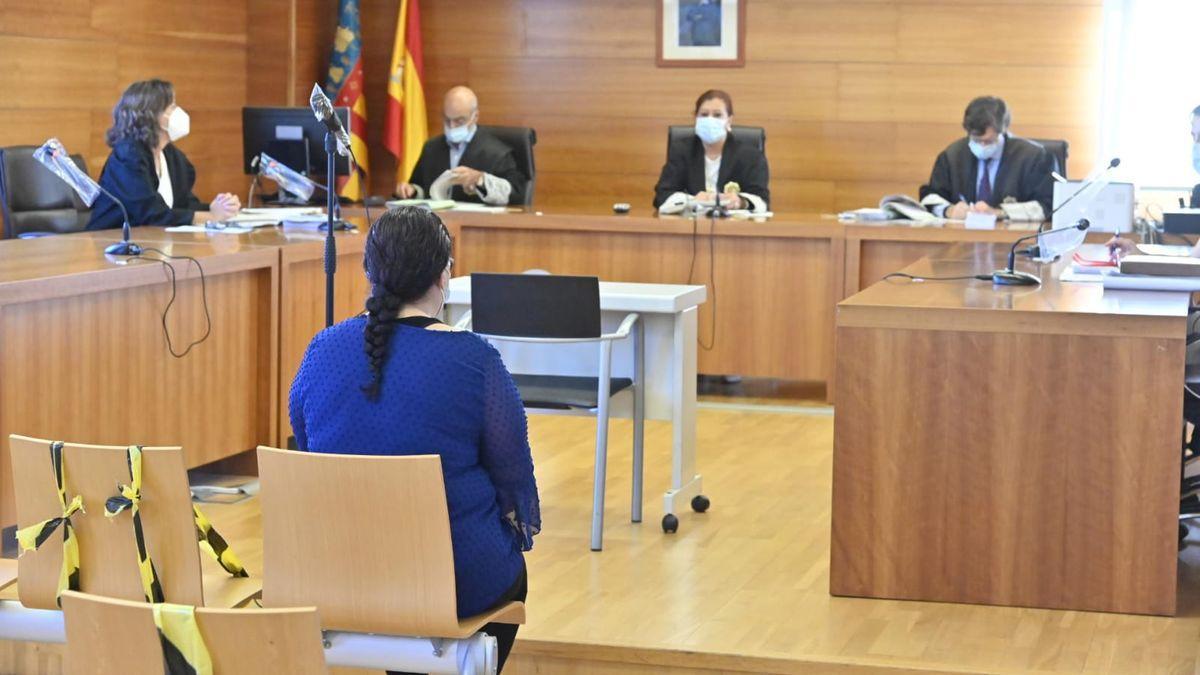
<point>713,162</point>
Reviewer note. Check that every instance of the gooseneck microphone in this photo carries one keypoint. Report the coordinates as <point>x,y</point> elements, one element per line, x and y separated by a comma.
<point>123,247</point>
<point>1009,276</point>
<point>323,111</point>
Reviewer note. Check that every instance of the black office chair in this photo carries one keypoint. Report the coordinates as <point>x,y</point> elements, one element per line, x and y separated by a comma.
<point>1057,148</point>
<point>34,200</point>
<point>550,309</point>
<point>756,136</point>
<point>521,140</point>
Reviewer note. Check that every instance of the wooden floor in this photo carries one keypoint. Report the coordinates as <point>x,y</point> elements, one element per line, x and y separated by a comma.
<point>744,588</point>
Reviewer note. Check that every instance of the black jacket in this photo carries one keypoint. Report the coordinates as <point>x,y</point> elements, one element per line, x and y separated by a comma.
<point>1024,174</point>
<point>130,175</point>
<point>484,153</point>
<point>1195,203</point>
<point>740,163</point>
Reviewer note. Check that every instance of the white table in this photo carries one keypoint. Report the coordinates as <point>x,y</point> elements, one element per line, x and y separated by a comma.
<point>669,315</point>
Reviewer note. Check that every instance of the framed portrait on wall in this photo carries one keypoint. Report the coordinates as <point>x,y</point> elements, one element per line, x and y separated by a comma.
<point>702,33</point>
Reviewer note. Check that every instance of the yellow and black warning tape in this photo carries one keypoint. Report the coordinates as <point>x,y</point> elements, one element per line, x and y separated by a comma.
<point>32,537</point>
<point>183,648</point>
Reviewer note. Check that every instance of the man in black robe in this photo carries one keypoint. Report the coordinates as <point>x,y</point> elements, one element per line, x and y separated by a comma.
<point>990,170</point>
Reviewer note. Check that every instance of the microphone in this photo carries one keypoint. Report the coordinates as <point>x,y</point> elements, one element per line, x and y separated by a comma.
<point>1010,277</point>
<point>1114,163</point>
<point>323,110</point>
<point>54,156</point>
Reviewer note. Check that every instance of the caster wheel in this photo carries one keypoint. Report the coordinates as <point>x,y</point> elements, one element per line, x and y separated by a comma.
<point>670,523</point>
<point>700,503</point>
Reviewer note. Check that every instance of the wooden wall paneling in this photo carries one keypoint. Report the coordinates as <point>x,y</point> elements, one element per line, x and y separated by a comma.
<point>1062,35</point>
<point>72,18</point>
<point>271,65</point>
<point>55,74</point>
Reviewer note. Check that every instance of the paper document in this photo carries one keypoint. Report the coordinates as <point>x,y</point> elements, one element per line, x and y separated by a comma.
<point>431,204</point>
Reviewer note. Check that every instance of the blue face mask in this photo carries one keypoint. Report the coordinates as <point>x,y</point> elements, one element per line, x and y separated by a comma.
<point>456,135</point>
<point>710,129</point>
<point>983,152</point>
<point>1196,157</point>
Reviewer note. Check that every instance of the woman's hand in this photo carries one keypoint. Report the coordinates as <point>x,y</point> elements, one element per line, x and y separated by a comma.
<point>225,206</point>
<point>733,200</point>
<point>1119,247</point>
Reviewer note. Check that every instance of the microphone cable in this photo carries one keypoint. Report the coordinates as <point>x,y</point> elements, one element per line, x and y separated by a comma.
<point>170,272</point>
<point>712,274</point>
<point>917,279</point>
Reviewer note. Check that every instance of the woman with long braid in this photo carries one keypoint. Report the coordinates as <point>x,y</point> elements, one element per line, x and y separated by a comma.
<point>425,388</point>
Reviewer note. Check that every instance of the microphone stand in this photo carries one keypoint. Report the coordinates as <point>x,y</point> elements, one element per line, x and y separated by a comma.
<point>1009,276</point>
<point>330,225</point>
<point>123,247</point>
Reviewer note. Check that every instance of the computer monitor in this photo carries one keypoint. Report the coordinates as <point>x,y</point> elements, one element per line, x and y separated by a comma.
<point>293,136</point>
<point>1109,206</point>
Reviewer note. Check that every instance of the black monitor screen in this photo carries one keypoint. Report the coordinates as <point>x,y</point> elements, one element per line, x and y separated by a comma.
<point>291,135</point>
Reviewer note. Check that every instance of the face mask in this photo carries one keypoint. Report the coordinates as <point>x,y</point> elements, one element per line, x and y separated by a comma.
<point>1196,157</point>
<point>178,124</point>
<point>710,129</point>
<point>456,135</point>
<point>984,152</point>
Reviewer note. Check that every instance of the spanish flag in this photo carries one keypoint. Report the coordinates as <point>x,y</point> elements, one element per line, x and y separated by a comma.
<point>404,130</point>
<point>344,86</point>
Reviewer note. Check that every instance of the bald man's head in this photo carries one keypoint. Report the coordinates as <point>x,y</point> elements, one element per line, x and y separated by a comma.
<point>460,106</point>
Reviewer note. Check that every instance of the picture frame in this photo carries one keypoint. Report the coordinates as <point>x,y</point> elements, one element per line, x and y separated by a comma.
<point>701,33</point>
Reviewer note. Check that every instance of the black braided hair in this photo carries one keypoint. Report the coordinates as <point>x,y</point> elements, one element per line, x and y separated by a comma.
<point>407,250</point>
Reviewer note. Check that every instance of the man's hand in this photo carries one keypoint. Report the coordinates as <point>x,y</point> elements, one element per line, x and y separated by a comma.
<point>982,207</point>
<point>957,211</point>
<point>405,190</point>
<point>467,177</point>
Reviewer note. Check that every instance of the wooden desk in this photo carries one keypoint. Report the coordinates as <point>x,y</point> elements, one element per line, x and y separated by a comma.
<point>84,357</point>
<point>1009,446</point>
<point>772,287</point>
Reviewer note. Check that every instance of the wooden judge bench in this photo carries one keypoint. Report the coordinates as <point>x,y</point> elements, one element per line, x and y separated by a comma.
<point>83,356</point>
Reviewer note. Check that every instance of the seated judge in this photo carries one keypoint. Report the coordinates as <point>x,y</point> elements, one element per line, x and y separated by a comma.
<point>713,162</point>
<point>990,170</point>
<point>397,381</point>
<point>152,177</point>
<point>465,163</point>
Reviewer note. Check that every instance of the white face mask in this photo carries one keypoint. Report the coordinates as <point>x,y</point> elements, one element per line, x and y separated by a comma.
<point>710,129</point>
<point>984,152</point>
<point>456,135</point>
<point>178,124</point>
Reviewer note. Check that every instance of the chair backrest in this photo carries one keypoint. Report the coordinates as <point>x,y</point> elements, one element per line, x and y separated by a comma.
<point>106,636</point>
<point>755,136</point>
<point>364,538</point>
<point>36,200</point>
<point>535,305</point>
<point>521,140</point>
<point>108,560</point>
<point>1057,148</point>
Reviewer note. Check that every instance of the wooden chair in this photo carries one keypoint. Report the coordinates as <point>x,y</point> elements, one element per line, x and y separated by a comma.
<point>367,540</point>
<point>108,560</point>
<point>118,637</point>
<point>8,572</point>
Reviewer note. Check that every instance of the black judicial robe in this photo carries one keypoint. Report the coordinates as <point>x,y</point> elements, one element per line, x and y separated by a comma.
<point>130,175</point>
<point>1195,203</point>
<point>741,163</point>
<point>484,153</point>
<point>1023,176</point>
